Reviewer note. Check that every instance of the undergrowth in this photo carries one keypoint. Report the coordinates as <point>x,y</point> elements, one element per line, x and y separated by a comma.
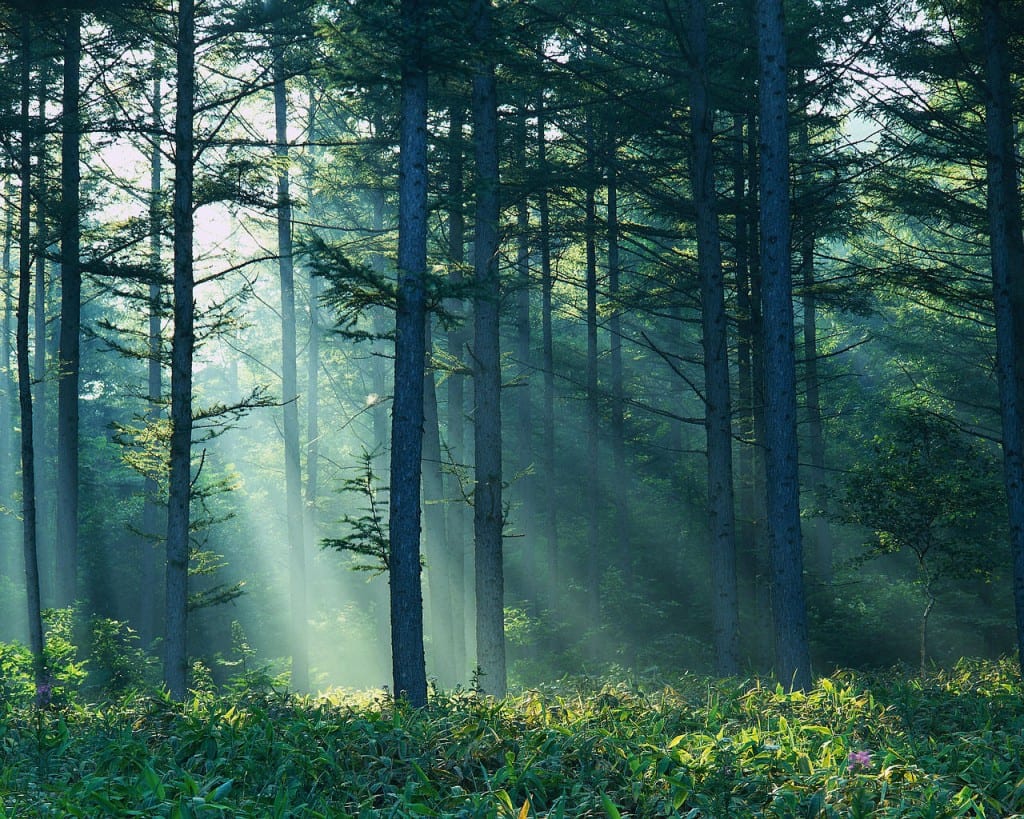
<point>853,746</point>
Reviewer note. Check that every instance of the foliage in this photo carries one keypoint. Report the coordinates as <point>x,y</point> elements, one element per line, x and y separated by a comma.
<point>852,746</point>
<point>366,533</point>
<point>116,661</point>
<point>930,490</point>
<point>933,492</point>
<point>65,670</point>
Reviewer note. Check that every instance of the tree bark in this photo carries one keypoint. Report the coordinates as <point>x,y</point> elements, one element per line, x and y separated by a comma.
<point>715,326</point>
<point>442,621</point>
<point>182,349</point>
<point>594,502</point>
<point>409,670</point>
<point>10,391</point>
<point>487,508</point>
<point>547,362</point>
<point>461,558</point>
<point>623,543</point>
<point>315,284</point>
<point>70,317</point>
<point>1007,257</point>
<point>28,475</point>
<point>151,509</point>
<point>822,540</point>
<point>299,637</point>
<point>792,656</point>
<point>523,392</point>
<point>747,471</point>
<point>47,549</point>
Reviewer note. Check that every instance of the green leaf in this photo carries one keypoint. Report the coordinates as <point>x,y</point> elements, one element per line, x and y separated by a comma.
<point>609,807</point>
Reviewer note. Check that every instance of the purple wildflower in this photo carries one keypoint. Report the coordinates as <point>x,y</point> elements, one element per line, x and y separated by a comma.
<point>44,694</point>
<point>858,760</point>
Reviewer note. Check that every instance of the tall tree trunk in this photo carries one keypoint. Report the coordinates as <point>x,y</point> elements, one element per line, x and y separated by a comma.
<point>547,361</point>
<point>70,317</point>
<point>312,523</point>
<point>42,444</point>
<point>299,637</point>
<point>28,467</point>
<point>182,348</point>
<point>410,678</point>
<point>487,509</point>
<point>759,557</point>
<point>623,544</point>
<point>523,392</point>
<point>435,534</point>
<point>821,540</point>
<point>1007,252</point>
<point>789,614</point>
<point>152,507</point>
<point>746,528</point>
<point>461,558</point>
<point>715,325</point>
<point>594,499</point>
<point>7,414</point>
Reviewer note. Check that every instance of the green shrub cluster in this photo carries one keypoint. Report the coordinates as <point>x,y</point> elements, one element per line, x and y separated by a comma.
<point>853,746</point>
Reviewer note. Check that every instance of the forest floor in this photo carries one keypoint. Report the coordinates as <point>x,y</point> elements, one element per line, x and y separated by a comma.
<point>856,745</point>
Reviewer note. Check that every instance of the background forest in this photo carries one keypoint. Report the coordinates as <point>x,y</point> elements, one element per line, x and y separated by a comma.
<point>202,270</point>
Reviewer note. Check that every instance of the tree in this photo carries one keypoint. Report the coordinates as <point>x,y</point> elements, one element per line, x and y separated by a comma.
<point>488,515</point>
<point>70,314</point>
<point>717,399</point>
<point>182,348</point>
<point>28,461</point>
<point>289,363</point>
<point>792,655</point>
<point>410,323</point>
<point>1006,247</point>
<point>927,490</point>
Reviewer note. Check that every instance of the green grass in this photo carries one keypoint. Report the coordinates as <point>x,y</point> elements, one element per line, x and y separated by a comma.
<point>949,745</point>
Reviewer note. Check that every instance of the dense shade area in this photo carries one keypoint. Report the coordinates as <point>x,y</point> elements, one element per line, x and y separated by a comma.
<point>945,745</point>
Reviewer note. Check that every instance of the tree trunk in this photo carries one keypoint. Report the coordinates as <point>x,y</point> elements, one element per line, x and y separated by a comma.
<point>70,317</point>
<point>623,544</point>
<point>718,403</point>
<point>1007,252</point>
<point>923,636</point>
<point>523,393</point>
<point>409,671</point>
<point>312,523</point>
<point>42,444</point>
<point>822,541</point>
<point>28,475</point>
<point>8,536</point>
<point>299,637</point>
<point>550,474</point>
<point>747,471</point>
<point>152,507</point>
<point>592,484</point>
<point>792,656</point>
<point>461,558</point>
<point>182,347</point>
<point>487,509</point>
<point>442,621</point>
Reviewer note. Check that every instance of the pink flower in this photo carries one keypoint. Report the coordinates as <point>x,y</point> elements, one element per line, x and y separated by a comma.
<point>858,760</point>
<point>44,694</point>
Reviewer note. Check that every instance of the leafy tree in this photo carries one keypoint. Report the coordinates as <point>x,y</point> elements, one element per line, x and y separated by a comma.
<point>931,491</point>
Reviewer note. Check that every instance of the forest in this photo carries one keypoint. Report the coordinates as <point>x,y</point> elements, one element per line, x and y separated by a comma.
<point>570,408</point>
